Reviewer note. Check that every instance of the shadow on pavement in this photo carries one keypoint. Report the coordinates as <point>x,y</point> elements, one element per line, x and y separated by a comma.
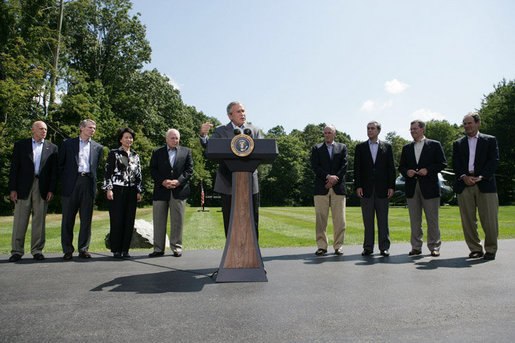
<point>162,282</point>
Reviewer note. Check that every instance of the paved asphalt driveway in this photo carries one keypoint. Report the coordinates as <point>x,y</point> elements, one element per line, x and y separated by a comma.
<point>307,299</point>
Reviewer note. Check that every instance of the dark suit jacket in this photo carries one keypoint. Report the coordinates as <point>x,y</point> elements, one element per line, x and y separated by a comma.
<point>69,164</point>
<point>223,181</point>
<point>322,165</point>
<point>432,158</point>
<point>485,162</point>
<point>22,169</point>
<point>160,169</point>
<point>378,176</point>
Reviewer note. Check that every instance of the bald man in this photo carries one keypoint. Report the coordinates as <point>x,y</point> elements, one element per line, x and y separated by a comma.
<point>32,184</point>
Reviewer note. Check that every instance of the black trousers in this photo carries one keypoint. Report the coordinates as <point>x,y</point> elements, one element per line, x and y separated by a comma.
<point>122,212</point>
<point>378,207</point>
<point>226,209</point>
<point>81,200</point>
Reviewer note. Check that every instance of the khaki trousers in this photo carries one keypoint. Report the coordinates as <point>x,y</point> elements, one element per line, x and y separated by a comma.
<point>22,211</point>
<point>487,205</point>
<point>160,209</point>
<point>337,204</point>
<point>431,209</point>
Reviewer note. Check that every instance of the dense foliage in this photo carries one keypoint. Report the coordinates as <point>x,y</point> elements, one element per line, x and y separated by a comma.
<point>100,75</point>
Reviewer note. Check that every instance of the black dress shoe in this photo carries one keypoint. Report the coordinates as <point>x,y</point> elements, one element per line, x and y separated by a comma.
<point>117,254</point>
<point>415,252</point>
<point>339,251</point>
<point>84,254</point>
<point>38,257</point>
<point>489,256</point>
<point>15,258</point>
<point>126,255</point>
<point>177,253</point>
<point>476,254</point>
<point>385,253</point>
<point>156,254</point>
<point>320,252</point>
<point>366,252</point>
<point>435,253</point>
<point>68,256</point>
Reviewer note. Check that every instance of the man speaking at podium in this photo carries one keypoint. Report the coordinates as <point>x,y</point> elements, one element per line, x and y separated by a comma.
<point>223,182</point>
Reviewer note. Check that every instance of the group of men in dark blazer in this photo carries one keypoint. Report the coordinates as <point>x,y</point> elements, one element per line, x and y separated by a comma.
<point>475,159</point>
<point>36,164</point>
<point>33,182</point>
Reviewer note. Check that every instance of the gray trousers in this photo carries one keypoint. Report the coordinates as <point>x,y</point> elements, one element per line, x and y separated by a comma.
<point>160,209</point>
<point>431,209</point>
<point>81,200</point>
<point>22,211</point>
<point>487,205</point>
<point>375,207</point>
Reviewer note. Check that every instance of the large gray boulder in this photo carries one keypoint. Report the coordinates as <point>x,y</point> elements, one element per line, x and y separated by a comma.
<point>142,236</point>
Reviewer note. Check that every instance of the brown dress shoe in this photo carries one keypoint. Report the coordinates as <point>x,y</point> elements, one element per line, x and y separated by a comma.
<point>38,257</point>
<point>15,258</point>
<point>84,254</point>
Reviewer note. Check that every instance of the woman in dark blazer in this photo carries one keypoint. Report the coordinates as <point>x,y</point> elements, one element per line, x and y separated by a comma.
<point>122,182</point>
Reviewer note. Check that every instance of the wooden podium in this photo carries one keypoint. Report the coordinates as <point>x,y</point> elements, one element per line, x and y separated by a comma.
<point>241,260</point>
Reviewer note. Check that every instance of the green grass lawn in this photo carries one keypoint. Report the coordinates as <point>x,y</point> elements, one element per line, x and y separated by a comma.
<point>278,227</point>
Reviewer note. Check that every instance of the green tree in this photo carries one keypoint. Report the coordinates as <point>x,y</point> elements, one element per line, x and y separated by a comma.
<point>497,118</point>
<point>397,143</point>
<point>445,133</point>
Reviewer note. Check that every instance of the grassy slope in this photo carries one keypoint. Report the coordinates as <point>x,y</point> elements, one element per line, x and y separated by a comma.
<point>279,227</point>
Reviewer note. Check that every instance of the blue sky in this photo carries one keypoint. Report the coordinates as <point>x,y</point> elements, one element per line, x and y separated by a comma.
<point>296,62</point>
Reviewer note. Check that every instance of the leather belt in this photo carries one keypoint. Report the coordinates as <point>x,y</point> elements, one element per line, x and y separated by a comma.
<point>84,174</point>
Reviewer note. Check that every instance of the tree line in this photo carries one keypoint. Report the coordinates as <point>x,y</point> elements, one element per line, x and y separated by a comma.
<point>62,62</point>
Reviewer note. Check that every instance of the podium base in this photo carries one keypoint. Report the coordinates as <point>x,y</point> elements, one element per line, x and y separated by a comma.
<point>241,275</point>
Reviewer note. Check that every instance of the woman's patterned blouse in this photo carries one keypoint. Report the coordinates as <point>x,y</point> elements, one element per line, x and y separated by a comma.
<point>122,169</point>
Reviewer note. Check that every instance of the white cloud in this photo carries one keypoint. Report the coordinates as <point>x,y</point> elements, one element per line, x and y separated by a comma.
<point>172,82</point>
<point>371,106</point>
<point>395,86</point>
<point>368,106</point>
<point>425,115</point>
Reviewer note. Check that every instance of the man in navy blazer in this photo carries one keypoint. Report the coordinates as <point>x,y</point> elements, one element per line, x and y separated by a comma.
<point>421,161</point>
<point>329,163</point>
<point>79,158</point>
<point>223,182</point>
<point>475,158</point>
<point>171,168</point>
<point>374,181</point>
<point>32,184</point>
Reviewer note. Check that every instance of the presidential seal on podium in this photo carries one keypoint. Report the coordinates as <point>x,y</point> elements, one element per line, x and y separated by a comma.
<point>242,145</point>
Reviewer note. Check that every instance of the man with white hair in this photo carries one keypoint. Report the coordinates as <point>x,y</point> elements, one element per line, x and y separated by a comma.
<point>329,163</point>
<point>171,167</point>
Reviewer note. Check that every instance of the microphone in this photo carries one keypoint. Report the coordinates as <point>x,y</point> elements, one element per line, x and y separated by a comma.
<point>237,131</point>
<point>248,132</point>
